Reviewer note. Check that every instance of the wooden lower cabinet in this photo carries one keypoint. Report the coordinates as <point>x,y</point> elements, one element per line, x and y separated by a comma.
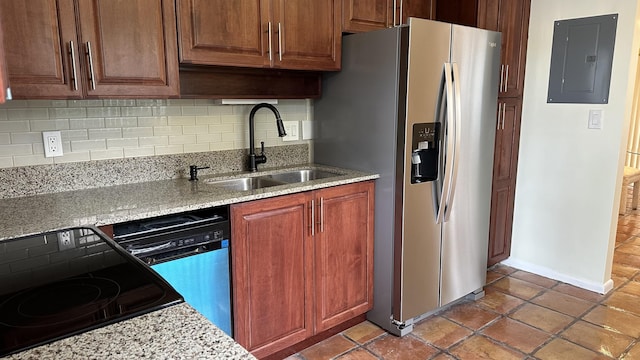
<point>505,164</point>
<point>271,261</point>
<point>501,223</point>
<point>343,254</point>
<point>302,263</point>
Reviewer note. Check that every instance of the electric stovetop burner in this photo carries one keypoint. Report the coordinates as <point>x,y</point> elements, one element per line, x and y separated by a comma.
<point>58,303</point>
<point>63,283</point>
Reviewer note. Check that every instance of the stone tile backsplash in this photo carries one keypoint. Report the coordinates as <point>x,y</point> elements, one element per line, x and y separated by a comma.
<point>121,129</point>
<point>52,178</point>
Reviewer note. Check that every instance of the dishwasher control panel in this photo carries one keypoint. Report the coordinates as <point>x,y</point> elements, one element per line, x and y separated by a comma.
<point>169,237</point>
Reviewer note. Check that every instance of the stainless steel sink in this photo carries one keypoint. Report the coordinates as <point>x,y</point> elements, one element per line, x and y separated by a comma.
<point>302,175</point>
<point>246,183</point>
<point>263,181</point>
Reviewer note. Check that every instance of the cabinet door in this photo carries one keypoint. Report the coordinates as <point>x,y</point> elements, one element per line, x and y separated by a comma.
<point>505,162</point>
<point>272,258</point>
<point>511,17</point>
<point>366,15</point>
<point>501,223</point>
<point>223,32</point>
<point>462,12</point>
<point>344,253</point>
<point>505,158</point>
<point>129,48</point>
<point>405,9</point>
<point>38,38</point>
<point>307,34</point>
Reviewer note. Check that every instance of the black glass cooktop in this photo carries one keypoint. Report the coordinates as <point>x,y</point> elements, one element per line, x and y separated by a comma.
<point>63,283</point>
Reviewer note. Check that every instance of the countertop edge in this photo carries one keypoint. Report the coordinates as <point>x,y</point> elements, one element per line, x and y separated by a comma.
<point>121,203</point>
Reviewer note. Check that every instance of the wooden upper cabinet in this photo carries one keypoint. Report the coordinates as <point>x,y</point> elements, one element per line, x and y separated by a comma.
<point>133,48</point>
<point>368,15</point>
<point>462,12</point>
<point>287,34</point>
<point>39,36</point>
<point>307,42</point>
<point>223,32</point>
<point>511,17</point>
<point>405,9</point>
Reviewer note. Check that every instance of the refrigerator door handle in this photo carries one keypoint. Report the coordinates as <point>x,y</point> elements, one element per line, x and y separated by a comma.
<point>457,123</point>
<point>448,146</point>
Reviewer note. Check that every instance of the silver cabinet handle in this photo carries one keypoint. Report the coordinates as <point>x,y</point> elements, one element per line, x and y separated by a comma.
<point>269,39</point>
<point>506,79</point>
<point>499,112</point>
<point>74,74</point>
<point>394,12</point>
<point>401,13</point>
<point>313,218</point>
<point>504,108</point>
<point>280,41</point>
<point>91,72</point>
<point>501,76</point>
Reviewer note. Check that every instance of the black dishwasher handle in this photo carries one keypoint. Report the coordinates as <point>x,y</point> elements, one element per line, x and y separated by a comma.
<point>153,260</point>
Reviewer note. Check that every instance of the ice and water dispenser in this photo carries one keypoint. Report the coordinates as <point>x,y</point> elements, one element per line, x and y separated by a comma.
<point>425,150</point>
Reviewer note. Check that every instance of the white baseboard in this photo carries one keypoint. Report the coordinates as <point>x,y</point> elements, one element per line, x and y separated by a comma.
<point>601,288</point>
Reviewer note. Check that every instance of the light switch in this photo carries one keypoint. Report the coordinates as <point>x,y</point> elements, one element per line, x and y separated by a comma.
<point>595,119</point>
<point>293,132</point>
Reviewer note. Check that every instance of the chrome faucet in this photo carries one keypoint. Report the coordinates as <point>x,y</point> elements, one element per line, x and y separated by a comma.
<point>254,159</point>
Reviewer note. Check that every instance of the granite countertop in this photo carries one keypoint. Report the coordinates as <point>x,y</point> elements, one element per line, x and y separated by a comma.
<point>113,204</point>
<point>176,332</point>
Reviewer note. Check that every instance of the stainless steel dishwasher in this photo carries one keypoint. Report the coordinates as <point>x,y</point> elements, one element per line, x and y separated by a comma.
<point>191,252</point>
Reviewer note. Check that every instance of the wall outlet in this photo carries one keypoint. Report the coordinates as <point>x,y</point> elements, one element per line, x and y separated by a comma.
<point>65,240</point>
<point>52,143</point>
<point>292,129</point>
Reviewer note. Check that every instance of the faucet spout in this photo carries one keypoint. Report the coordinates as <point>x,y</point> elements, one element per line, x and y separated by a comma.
<point>254,159</point>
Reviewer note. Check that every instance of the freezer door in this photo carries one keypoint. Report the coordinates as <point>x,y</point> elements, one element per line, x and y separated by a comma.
<point>419,258</point>
<point>475,58</point>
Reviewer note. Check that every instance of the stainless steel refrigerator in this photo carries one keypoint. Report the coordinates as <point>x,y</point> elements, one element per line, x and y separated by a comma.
<point>417,104</point>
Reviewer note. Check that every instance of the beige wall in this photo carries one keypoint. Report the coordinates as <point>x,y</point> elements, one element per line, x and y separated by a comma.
<point>112,129</point>
<point>568,183</point>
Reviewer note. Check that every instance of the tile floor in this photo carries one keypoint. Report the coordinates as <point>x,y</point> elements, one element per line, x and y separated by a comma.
<point>522,316</point>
